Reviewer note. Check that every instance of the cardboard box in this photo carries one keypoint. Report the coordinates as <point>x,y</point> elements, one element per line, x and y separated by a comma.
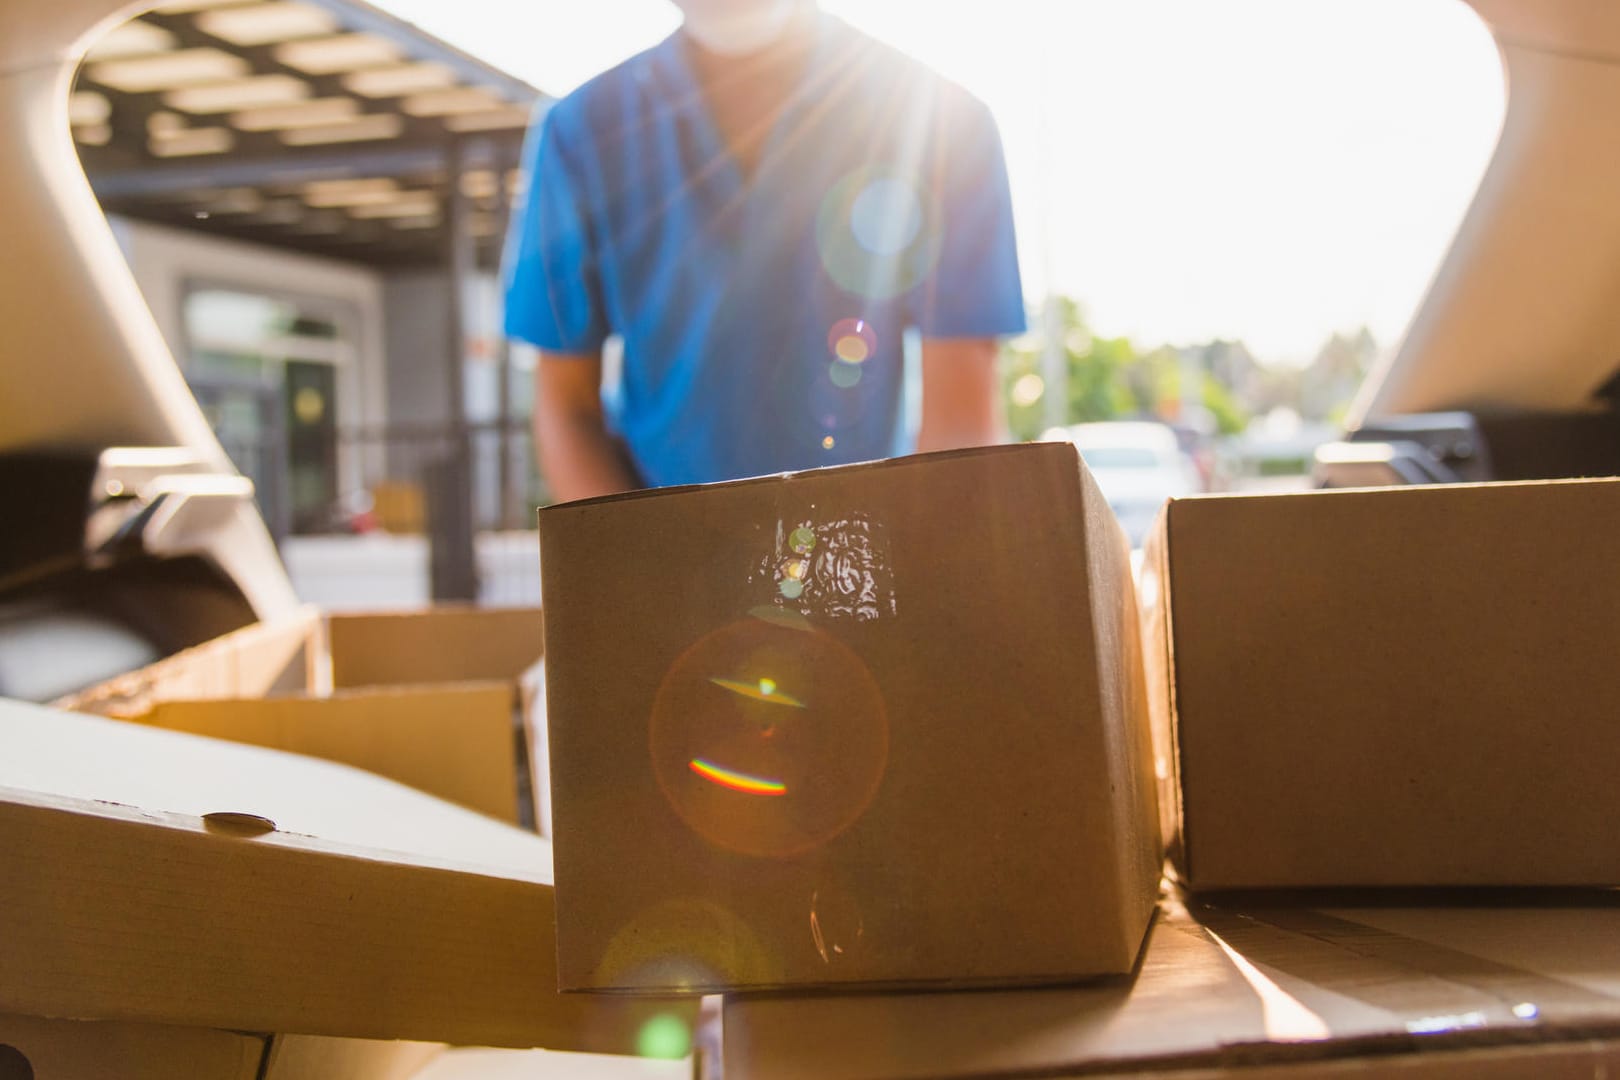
<point>478,648</point>
<point>40,1049</point>
<point>882,724</point>
<point>155,877</point>
<point>1407,686</point>
<point>435,699</point>
<point>1257,992</point>
<point>99,1050</point>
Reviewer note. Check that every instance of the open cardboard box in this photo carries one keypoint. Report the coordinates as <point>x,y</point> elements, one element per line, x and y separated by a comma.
<point>436,699</point>
<point>155,877</point>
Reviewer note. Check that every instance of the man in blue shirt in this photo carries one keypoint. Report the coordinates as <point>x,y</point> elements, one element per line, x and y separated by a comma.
<point>761,207</point>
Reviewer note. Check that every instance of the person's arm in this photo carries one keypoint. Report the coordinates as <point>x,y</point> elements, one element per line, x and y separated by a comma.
<point>961,394</point>
<point>579,457</point>
<point>974,295</point>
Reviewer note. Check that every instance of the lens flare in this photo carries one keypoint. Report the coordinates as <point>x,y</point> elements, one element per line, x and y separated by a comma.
<point>886,215</point>
<point>852,341</point>
<point>828,442</point>
<point>749,775</point>
<point>764,690</point>
<point>842,375</point>
<point>736,781</point>
<point>664,1036</point>
<point>687,944</point>
<point>876,234</point>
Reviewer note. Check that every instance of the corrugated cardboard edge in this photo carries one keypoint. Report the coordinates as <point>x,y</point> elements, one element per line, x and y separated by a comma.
<point>1159,656</point>
<point>1116,648</point>
<point>254,661</point>
<point>320,1057</point>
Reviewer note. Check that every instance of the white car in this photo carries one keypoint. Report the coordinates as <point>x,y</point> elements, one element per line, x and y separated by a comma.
<point>1138,464</point>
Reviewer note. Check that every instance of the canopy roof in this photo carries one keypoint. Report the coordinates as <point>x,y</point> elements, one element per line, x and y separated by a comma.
<point>325,126</point>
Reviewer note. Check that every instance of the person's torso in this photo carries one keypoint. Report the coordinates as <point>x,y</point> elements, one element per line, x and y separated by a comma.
<point>762,315</point>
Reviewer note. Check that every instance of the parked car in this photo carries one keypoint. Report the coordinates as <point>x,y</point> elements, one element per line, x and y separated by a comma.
<point>1138,465</point>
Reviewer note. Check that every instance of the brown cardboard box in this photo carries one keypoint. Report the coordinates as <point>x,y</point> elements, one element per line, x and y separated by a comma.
<point>1256,992</point>
<point>1410,686</point>
<point>39,1049</point>
<point>479,648</point>
<point>434,698</point>
<point>880,724</point>
<point>369,910</point>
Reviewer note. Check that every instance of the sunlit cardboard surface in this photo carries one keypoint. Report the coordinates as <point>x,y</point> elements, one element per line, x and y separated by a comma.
<point>1265,990</point>
<point>355,906</point>
<point>879,724</point>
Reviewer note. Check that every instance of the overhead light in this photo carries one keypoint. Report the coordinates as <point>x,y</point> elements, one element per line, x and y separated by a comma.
<point>478,183</point>
<point>317,190</point>
<point>167,71</point>
<point>457,99</point>
<point>262,24</point>
<point>340,53</point>
<point>238,94</point>
<point>509,116</point>
<point>360,129</point>
<point>88,107</point>
<point>134,38</point>
<point>191,142</point>
<point>408,204</point>
<point>399,79</point>
<point>93,134</point>
<point>165,123</point>
<point>333,110</point>
<point>370,196</point>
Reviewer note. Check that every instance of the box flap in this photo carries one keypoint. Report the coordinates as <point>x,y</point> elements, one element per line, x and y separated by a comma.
<point>369,910</point>
<point>453,741</point>
<point>439,644</point>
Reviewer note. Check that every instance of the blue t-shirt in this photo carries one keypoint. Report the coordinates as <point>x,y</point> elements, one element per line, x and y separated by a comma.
<point>762,316</point>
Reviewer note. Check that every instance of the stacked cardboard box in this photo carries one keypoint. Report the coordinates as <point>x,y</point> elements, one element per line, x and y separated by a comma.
<point>876,725</point>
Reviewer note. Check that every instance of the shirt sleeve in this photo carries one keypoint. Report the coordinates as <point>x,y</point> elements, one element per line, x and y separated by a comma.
<point>553,293</point>
<point>974,290</point>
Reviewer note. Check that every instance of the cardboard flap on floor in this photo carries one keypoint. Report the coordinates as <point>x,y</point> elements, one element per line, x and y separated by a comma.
<point>1407,686</point>
<point>168,878</point>
<point>1286,991</point>
<point>810,729</point>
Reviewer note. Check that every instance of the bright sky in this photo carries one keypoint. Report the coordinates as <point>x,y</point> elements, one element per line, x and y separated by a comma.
<point>1271,170</point>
